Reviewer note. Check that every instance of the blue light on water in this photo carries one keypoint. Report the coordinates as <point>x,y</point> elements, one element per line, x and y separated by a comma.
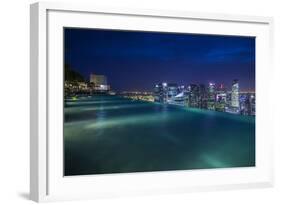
<point>110,134</point>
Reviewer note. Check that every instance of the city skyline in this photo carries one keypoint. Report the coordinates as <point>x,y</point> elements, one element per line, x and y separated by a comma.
<point>128,58</point>
<point>138,101</point>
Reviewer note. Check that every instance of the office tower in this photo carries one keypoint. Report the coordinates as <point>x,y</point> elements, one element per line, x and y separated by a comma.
<point>99,83</point>
<point>221,98</point>
<point>235,94</point>
<point>203,97</point>
<point>247,104</point>
<point>193,91</point>
<point>159,93</point>
<point>211,96</point>
<point>166,92</point>
<point>98,79</point>
<point>171,90</point>
<point>253,104</point>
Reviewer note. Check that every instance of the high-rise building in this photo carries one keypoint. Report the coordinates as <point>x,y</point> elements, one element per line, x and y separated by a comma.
<point>235,94</point>
<point>98,79</point>
<point>221,98</point>
<point>193,95</point>
<point>247,104</point>
<point>203,97</point>
<point>211,96</point>
<point>165,92</point>
<point>253,104</point>
<point>170,91</point>
<point>159,92</point>
<point>99,83</point>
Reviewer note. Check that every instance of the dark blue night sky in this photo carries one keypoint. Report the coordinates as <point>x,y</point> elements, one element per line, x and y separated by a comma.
<point>138,60</point>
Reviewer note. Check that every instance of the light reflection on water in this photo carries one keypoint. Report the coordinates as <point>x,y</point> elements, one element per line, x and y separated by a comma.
<point>110,134</point>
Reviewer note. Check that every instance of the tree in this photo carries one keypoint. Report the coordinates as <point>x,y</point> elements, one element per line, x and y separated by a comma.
<point>71,75</point>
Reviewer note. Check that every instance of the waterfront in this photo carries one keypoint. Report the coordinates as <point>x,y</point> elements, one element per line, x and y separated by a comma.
<point>111,134</point>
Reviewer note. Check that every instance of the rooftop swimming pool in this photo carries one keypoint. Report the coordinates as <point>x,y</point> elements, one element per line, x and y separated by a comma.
<point>112,134</point>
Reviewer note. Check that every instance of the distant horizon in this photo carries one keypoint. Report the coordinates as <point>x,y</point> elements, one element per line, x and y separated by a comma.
<point>136,61</point>
<point>198,83</point>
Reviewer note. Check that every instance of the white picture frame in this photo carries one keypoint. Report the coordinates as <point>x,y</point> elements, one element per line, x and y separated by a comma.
<point>47,182</point>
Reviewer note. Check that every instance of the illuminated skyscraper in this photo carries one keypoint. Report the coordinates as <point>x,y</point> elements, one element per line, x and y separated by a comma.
<point>247,104</point>
<point>98,79</point>
<point>221,98</point>
<point>165,92</point>
<point>159,93</point>
<point>99,83</point>
<point>171,90</point>
<point>193,95</point>
<point>211,96</point>
<point>203,97</point>
<point>235,94</point>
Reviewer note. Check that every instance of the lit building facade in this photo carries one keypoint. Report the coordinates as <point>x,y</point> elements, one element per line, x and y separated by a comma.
<point>99,83</point>
<point>202,96</point>
<point>98,79</point>
<point>235,94</point>
<point>171,90</point>
<point>211,96</point>
<point>193,95</point>
<point>247,104</point>
<point>221,98</point>
<point>159,93</point>
<point>165,92</point>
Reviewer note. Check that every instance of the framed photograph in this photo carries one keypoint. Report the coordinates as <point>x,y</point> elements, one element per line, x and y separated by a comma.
<point>129,102</point>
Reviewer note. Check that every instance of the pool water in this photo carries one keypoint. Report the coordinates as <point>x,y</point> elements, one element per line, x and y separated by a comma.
<point>112,134</point>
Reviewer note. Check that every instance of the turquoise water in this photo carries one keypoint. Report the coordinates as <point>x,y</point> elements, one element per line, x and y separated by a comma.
<point>111,134</point>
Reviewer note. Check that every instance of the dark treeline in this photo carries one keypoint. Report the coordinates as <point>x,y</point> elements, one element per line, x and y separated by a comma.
<point>71,75</point>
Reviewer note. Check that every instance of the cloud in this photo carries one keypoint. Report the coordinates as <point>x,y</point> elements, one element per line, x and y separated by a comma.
<point>233,54</point>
